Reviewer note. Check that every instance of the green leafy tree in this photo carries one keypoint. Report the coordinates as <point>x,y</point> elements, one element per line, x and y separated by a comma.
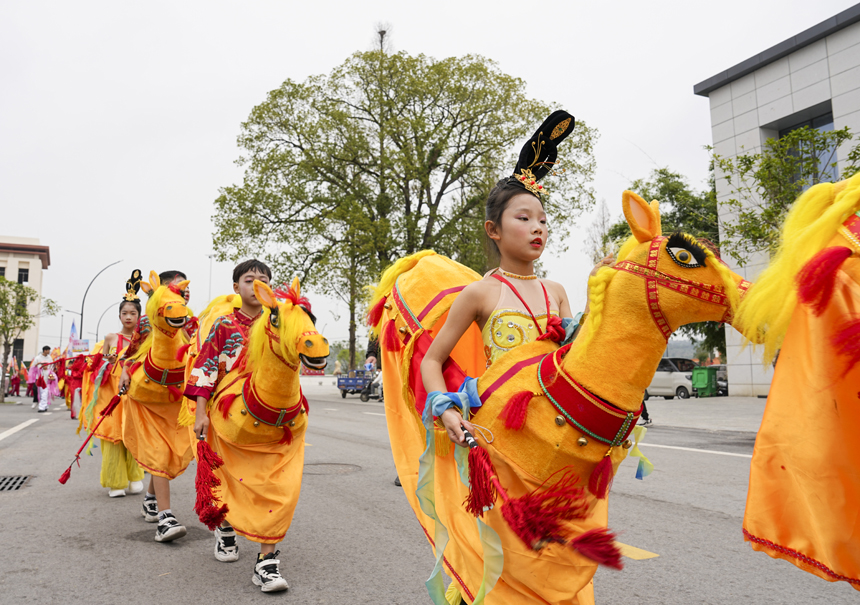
<point>764,185</point>
<point>387,155</point>
<point>690,211</point>
<point>15,318</point>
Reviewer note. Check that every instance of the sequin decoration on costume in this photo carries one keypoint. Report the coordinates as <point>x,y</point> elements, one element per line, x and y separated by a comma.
<point>507,329</point>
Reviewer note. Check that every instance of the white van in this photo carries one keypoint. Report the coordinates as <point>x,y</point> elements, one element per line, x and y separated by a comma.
<point>673,378</point>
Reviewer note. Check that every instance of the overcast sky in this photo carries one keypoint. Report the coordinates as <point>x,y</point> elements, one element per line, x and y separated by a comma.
<point>118,120</point>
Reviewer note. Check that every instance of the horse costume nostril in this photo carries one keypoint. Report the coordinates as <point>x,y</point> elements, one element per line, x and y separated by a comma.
<point>309,344</point>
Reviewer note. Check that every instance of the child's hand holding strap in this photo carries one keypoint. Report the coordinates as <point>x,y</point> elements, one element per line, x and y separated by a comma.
<point>447,407</point>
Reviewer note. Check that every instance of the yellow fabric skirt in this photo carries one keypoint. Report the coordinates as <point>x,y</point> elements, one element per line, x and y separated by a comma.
<point>804,492</point>
<point>119,467</point>
<point>152,434</point>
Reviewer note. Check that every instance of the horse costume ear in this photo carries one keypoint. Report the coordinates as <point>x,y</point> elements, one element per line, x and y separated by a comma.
<point>154,283</point>
<point>183,284</point>
<point>296,287</point>
<point>643,218</point>
<point>264,294</point>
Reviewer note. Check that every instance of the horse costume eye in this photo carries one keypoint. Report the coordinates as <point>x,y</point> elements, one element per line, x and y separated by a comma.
<point>683,257</point>
<point>273,319</point>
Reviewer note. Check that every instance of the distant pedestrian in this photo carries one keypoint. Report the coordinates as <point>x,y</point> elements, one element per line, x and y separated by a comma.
<point>645,417</point>
<point>41,373</point>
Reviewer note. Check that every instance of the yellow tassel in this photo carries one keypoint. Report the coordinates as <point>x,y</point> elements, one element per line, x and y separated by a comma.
<point>443,443</point>
<point>452,595</point>
<point>80,420</point>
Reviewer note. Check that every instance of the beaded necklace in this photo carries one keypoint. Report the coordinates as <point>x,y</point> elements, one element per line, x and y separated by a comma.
<point>515,276</point>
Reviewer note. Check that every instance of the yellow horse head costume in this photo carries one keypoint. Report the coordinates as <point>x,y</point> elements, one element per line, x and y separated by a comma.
<point>805,474</point>
<point>258,418</point>
<point>557,420</point>
<point>151,431</point>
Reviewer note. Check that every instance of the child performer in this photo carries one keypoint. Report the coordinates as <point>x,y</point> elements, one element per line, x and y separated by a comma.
<point>119,469</point>
<point>227,339</point>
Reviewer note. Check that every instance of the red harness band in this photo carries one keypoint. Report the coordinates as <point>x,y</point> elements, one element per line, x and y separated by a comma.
<point>582,409</point>
<point>276,417</point>
<point>162,376</point>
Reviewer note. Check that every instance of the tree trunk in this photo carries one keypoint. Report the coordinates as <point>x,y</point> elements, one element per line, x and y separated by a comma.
<point>352,305</point>
<point>6,347</point>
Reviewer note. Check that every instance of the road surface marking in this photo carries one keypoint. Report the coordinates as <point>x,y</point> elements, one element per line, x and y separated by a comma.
<point>330,409</point>
<point>15,429</point>
<point>693,449</point>
<point>373,413</point>
<point>631,552</point>
<point>309,444</point>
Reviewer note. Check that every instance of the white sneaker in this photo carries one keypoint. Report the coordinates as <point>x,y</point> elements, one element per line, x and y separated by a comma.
<point>135,487</point>
<point>169,529</point>
<point>116,493</point>
<point>267,576</point>
<point>226,548</point>
<point>149,510</point>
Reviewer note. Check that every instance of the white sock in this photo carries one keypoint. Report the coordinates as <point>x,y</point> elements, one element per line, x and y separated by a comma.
<point>149,496</point>
<point>163,513</point>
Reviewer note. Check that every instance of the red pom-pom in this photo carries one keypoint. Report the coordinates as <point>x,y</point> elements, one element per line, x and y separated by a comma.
<point>375,314</point>
<point>599,545</point>
<point>134,368</point>
<point>287,437</point>
<point>601,478</point>
<point>175,392</point>
<point>225,402</point>
<point>391,341</point>
<point>181,351</point>
<point>515,410</point>
<point>482,491</point>
<point>818,277</point>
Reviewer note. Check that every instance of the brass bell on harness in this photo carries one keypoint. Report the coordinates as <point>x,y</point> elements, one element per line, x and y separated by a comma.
<point>256,423</point>
<point>582,442</point>
<point>387,306</point>
<point>627,444</point>
<point>403,330</point>
<point>292,423</point>
<point>243,412</point>
<point>559,420</point>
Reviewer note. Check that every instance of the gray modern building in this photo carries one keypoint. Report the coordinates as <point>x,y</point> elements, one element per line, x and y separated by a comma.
<point>811,79</point>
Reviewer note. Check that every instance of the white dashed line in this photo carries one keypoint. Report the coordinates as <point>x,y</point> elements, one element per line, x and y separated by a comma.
<point>15,429</point>
<point>373,413</point>
<point>692,449</point>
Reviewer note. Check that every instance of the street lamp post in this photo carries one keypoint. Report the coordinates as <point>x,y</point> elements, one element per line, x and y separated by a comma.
<point>211,256</point>
<point>98,325</point>
<point>81,328</point>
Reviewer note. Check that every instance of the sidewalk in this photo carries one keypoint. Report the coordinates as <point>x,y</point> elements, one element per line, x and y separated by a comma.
<point>709,413</point>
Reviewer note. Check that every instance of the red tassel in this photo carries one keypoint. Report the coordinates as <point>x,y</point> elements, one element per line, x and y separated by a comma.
<point>174,390</point>
<point>515,410</point>
<point>818,277</point>
<point>208,460</point>
<point>554,331</point>
<point>375,314</point>
<point>601,477</point>
<point>134,368</point>
<point>41,382</point>
<point>482,491</point>
<point>180,353</point>
<point>847,343</point>
<point>392,342</point>
<point>65,476</point>
<point>111,406</point>
<point>599,545</point>
<point>225,402</point>
<point>288,436</point>
<point>96,362</point>
<point>106,377</point>
<point>191,327</point>
<point>540,518</point>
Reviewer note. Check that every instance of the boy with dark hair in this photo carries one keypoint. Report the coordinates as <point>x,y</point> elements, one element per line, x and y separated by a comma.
<point>218,354</point>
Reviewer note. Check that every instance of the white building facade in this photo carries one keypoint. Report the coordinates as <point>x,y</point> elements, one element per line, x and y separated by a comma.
<point>810,79</point>
<point>23,259</point>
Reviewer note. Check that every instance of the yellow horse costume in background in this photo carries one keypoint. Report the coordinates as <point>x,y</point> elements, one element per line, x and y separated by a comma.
<point>258,418</point>
<point>150,427</point>
<point>557,420</point>
<point>804,492</point>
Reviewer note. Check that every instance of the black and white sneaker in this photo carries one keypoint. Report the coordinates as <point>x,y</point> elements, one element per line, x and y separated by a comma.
<point>226,548</point>
<point>169,529</point>
<point>149,510</point>
<point>266,574</point>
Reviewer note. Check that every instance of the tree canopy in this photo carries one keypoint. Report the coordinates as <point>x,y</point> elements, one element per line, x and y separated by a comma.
<point>387,155</point>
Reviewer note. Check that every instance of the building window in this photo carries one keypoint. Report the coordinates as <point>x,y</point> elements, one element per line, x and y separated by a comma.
<point>18,349</point>
<point>23,276</point>
<point>2,271</point>
<point>826,157</point>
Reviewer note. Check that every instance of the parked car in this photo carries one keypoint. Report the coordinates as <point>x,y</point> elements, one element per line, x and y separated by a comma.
<point>673,378</point>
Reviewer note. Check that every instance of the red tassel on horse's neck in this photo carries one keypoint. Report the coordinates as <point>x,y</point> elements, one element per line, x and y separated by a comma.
<point>225,402</point>
<point>288,435</point>
<point>177,394</point>
<point>375,313</point>
<point>599,545</point>
<point>846,341</point>
<point>601,477</point>
<point>181,351</point>
<point>392,342</point>
<point>134,368</point>
<point>816,280</point>
<point>554,331</point>
<point>514,412</point>
<point>482,492</point>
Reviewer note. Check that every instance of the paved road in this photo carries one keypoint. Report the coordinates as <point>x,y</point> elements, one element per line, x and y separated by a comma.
<point>354,538</point>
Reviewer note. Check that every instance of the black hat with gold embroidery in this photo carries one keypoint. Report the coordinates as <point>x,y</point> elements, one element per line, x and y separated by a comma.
<point>132,287</point>
<point>537,158</point>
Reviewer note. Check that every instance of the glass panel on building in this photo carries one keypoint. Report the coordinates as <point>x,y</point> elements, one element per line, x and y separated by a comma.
<point>18,349</point>
<point>826,157</point>
<point>23,276</point>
